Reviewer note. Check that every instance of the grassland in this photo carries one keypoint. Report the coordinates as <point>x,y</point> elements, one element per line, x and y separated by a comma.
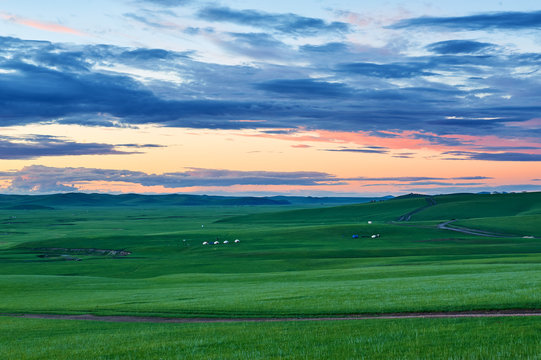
<point>495,338</point>
<point>290,262</point>
<point>527,225</point>
<point>467,206</point>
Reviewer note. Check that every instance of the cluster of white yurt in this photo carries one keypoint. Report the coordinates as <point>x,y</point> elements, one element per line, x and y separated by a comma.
<point>236,241</point>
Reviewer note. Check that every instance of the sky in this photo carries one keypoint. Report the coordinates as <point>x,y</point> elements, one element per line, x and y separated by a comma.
<point>319,98</point>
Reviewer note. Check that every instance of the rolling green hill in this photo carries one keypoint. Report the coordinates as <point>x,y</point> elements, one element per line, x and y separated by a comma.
<point>30,202</point>
<point>132,200</point>
<point>440,207</point>
<point>465,206</point>
<point>360,213</point>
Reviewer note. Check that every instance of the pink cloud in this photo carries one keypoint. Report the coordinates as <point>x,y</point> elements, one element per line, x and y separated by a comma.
<point>364,20</point>
<point>361,138</point>
<point>40,25</point>
<point>529,124</point>
<point>476,142</point>
<point>410,140</point>
<point>356,18</point>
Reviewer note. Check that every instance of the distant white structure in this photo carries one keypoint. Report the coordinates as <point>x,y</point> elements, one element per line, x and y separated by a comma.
<point>373,236</point>
<point>216,242</point>
<point>370,222</point>
<point>226,242</point>
<point>205,243</point>
<point>237,241</point>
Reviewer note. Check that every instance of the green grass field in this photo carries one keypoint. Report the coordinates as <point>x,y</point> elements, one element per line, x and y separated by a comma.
<point>527,225</point>
<point>291,261</point>
<point>495,338</point>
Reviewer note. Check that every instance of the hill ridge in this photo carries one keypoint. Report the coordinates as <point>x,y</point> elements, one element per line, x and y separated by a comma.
<point>74,199</point>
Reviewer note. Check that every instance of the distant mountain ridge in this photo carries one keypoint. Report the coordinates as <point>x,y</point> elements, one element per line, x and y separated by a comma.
<point>60,200</point>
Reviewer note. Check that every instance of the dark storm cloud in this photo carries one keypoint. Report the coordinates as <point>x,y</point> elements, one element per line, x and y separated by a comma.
<point>507,148</point>
<point>402,156</point>
<point>416,179</point>
<point>279,132</point>
<point>140,146</point>
<point>365,151</point>
<point>34,146</point>
<point>510,20</point>
<point>305,88</point>
<point>509,156</point>
<point>466,63</point>
<point>471,178</point>
<point>285,23</point>
<point>80,84</point>
<point>472,189</point>
<point>504,156</point>
<point>146,54</point>
<point>69,60</point>
<point>441,183</point>
<point>466,123</point>
<point>51,179</point>
<point>329,48</point>
<point>458,47</point>
<point>43,179</point>
<point>387,71</point>
<point>31,93</point>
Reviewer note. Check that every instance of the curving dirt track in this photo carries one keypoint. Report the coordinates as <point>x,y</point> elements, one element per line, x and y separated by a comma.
<point>417,315</point>
<point>464,230</point>
<point>407,217</point>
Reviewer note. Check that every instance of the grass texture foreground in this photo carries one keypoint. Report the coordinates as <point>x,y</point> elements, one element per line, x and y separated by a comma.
<point>495,338</point>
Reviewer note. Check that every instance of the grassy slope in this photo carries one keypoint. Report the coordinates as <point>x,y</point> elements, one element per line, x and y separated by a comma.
<point>529,225</point>
<point>287,263</point>
<point>33,202</point>
<point>356,214</point>
<point>465,206</point>
<point>505,338</point>
<point>307,293</point>
<point>301,262</point>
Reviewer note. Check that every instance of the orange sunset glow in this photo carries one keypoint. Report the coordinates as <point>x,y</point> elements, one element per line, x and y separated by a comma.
<point>307,101</point>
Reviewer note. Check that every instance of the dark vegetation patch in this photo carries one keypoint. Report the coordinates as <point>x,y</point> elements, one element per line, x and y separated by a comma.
<point>59,257</point>
<point>411,196</point>
<point>110,252</point>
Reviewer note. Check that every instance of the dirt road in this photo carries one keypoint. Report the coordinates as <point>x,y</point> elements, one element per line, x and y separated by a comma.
<point>406,217</point>
<point>149,319</point>
<point>464,230</point>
